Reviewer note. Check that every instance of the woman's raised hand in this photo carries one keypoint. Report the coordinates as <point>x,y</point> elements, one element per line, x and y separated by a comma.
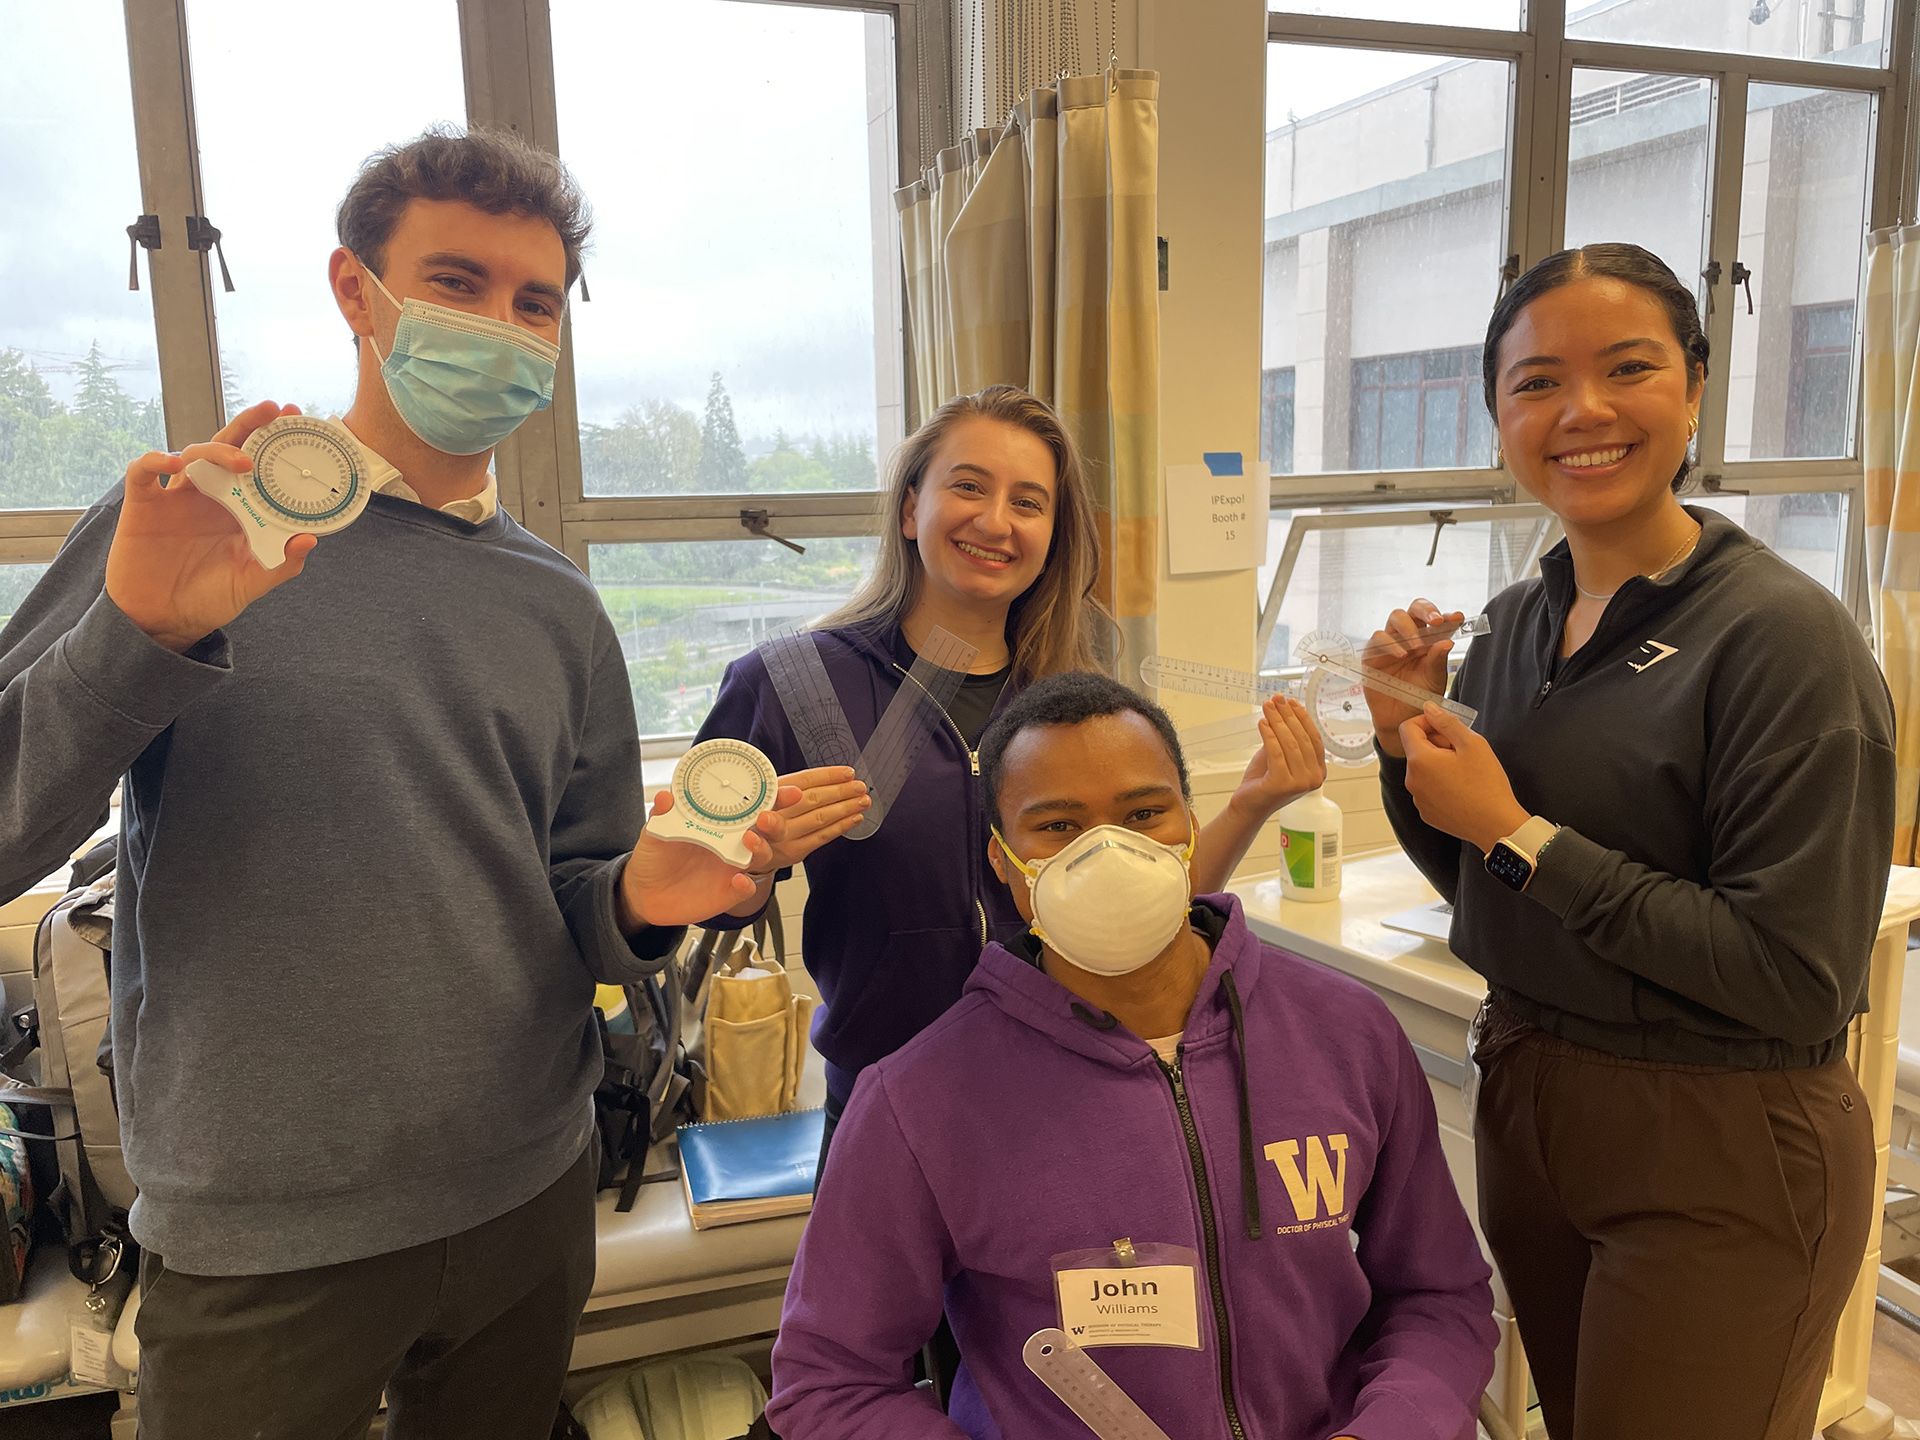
<point>179,566</point>
<point>1399,651</point>
<point>831,803</point>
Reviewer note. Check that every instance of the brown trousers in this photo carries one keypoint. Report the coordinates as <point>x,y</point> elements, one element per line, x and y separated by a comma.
<point>468,1336</point>
<point>1678,1240</point>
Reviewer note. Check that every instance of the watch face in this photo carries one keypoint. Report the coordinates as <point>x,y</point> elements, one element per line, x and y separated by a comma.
<point>1509,866</point>
<point>726,782</point>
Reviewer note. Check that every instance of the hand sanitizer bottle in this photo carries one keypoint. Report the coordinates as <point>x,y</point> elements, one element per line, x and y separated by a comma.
<point>1311,847</point>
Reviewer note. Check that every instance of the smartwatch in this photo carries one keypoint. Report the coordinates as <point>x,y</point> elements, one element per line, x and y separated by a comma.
<point>1513,860</point>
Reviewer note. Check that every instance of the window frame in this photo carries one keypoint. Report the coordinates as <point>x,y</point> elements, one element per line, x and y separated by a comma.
<point>1539,128</point>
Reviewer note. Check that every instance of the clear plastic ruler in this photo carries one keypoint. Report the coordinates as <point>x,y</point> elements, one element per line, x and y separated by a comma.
<point>1325,650</point>
<point>918,708</point>
<point>1086,1389</point>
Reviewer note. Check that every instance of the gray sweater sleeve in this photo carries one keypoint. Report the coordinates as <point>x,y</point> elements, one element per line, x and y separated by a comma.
<point>598,820</point>
<point>1780,937</point>
<point>85,693</point>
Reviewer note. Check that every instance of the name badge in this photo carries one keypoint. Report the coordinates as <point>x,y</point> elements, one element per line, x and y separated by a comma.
<point>1129,1295</point>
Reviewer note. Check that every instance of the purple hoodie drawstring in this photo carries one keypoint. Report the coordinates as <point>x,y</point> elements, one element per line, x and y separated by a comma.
<point>1249,1180</point>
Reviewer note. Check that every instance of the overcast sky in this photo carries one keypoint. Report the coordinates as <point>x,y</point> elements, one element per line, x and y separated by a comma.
<point>723,147</point>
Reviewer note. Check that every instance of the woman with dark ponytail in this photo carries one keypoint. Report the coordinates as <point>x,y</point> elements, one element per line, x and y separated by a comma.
<point>1666,842</point>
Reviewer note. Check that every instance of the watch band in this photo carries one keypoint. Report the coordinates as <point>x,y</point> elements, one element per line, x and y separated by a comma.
<point>1531,838</point>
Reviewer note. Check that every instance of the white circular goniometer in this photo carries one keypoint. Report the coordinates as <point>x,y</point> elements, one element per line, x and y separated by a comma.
<point>720,788</point>
<point>310,476</point>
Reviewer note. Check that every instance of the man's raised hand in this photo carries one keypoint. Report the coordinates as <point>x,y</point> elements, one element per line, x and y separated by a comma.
<point>179,566</point>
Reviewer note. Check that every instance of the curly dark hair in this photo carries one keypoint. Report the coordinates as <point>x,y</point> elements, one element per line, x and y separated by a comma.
<point>1069,698</point>
<point>492,170</point>
<point>1613,261</point>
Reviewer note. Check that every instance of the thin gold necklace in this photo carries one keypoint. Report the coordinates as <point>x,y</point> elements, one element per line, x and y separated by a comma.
<point>1672,560</point>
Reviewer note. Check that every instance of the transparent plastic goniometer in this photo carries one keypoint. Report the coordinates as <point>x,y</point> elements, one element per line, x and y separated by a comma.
<point>310,476</point>
<point>1086,1389</point>
<point>1331,680</point>
<point>720,787</point>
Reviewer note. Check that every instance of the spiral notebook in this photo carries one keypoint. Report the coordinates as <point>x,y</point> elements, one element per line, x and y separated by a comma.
<point>738,1170</point>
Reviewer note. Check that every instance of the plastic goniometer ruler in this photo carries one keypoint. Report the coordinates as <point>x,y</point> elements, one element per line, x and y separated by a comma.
<point>918,708</point>
<point>1086,1389</point>
<point>1330,681</point>
<point>1323,649</point>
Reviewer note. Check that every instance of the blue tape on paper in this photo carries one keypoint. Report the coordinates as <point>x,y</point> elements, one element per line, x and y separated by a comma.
<point>1223,462</point>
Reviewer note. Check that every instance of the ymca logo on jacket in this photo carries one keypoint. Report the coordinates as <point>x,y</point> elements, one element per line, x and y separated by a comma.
<point>1338,1284</point>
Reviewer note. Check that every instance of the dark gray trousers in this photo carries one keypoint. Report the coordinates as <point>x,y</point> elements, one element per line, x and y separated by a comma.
<point>1679,1241</point>
<point>467,1336</point>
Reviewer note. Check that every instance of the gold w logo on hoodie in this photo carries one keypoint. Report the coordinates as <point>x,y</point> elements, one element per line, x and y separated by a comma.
<point>1324,1180</point>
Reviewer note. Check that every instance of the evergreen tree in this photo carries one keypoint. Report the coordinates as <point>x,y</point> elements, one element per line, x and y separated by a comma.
<point>230,395</point>
<point>723,462</point>
<point>20,382</point>
<point>99,397</point>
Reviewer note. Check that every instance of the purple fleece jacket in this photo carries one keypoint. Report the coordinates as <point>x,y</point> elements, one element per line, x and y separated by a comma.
<point>1013,1130</point>
<point>894,922</point>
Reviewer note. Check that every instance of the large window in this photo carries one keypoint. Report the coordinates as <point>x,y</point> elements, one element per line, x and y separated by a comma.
<point>1803,208</point>
<point>733,342</point>
<point>1418,158</point>
<point>1386,181</point>
<point>79,374</point>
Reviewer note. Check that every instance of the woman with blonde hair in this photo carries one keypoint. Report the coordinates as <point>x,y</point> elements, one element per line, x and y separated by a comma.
<point>988,533</point>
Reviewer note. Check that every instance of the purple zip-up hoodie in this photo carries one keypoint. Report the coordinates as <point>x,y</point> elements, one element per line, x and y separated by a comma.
<point>895,922</point>
<point>1341,1290</point>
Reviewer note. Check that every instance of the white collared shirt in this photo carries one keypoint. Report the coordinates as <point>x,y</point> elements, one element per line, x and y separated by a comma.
<point>475,509</point>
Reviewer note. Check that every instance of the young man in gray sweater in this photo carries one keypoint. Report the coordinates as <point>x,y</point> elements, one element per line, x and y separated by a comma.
<point>381,835</point>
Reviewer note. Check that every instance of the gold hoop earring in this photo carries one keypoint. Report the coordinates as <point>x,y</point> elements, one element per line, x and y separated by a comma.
<point>1693,426</point>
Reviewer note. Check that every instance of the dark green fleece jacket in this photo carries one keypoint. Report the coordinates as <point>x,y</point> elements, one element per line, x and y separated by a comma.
<point>1720,755</point>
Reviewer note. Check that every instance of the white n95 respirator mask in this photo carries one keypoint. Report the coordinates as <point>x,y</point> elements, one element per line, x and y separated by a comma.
<point>1110,901</point>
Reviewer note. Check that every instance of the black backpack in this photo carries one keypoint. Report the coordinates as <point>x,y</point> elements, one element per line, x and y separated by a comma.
<point>650,1084</point>
<point>647,1085</point>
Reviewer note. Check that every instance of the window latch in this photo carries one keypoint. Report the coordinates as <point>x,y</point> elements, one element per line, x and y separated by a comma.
<point>143,233</point>
<point>203,236</point>
<point>755,521</point>
<point>1711,484</point>
<point>1441,519</point>
<point>1712,276</point>
<point>1743,278</point>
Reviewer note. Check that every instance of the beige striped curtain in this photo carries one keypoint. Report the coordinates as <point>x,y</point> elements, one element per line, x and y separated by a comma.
<point>1031,260</point>
<point>1890,450</point>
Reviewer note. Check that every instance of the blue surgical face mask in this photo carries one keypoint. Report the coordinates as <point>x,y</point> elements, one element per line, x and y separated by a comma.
<point>461,382</point>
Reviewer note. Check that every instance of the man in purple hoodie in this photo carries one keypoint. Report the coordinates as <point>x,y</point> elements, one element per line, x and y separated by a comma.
<point>1212,1160</point>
